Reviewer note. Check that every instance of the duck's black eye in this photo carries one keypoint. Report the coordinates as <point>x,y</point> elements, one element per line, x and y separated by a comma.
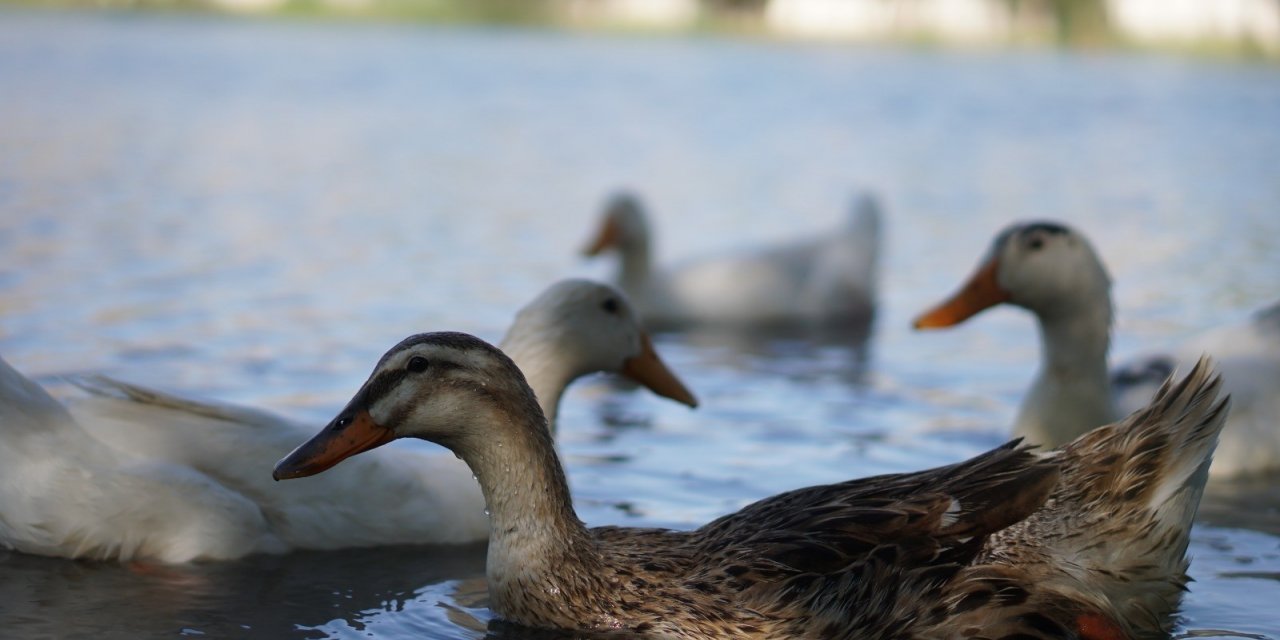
<point>610,305</point>
<point>417,364</point>
<point>1036,244</point>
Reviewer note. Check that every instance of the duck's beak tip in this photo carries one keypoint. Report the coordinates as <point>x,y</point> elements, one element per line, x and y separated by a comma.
<point>981,292</point>
<point>649,370</point>
<point>354,433</point>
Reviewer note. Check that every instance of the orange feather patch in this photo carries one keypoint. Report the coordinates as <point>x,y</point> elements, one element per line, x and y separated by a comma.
<point>1093,626</point>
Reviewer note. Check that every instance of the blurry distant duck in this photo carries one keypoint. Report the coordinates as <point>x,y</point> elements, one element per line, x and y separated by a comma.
<point>830,279</point>
<point>1052,271</point>
<point>65,493</point>
<point>986,548</point>
<point>141,474</point>
<point>1248,354</point>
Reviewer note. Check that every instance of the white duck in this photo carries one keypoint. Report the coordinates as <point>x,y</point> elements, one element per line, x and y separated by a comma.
<point>64,493</point>
<point>828,280</point>
<point>1052,271</point>
<point>1248,353</point>
<point>139,474</point>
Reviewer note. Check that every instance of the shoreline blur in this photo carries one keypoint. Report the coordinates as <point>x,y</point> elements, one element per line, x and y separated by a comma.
<point>1248,29</point>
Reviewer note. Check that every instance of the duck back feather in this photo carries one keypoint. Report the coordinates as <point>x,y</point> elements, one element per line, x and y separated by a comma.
<point>65,493</point>
<point>1117,527</point>
<point>237,446</point>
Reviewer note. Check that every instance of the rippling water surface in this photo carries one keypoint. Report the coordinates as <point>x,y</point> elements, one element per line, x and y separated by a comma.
<point>256,211</point>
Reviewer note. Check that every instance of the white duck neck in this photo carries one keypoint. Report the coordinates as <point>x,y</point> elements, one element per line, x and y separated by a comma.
<point>1076,343</point>
<point>634,263</point>
<point>545,369</point>
<point>1071,394</point>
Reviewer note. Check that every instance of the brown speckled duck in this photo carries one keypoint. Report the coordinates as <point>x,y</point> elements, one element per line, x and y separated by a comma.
<point>993,547</point>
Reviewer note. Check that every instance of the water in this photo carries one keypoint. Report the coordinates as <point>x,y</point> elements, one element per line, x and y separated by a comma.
<point>256,211</point>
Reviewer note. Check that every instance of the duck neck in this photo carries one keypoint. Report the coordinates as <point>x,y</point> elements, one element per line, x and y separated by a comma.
<point>534,533</point>
<point>1076,343</point>
<point>544,368</point>
<point>1071,394</point>
<point>634,264</point>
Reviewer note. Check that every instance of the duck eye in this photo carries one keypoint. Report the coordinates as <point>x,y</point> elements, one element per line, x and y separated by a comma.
<point>610,305</point>
<point>417,364</point>
<point>1036,244</point>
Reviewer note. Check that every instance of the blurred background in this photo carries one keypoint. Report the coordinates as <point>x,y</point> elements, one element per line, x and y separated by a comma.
<point>1250,27</point>
<point>252,200</point>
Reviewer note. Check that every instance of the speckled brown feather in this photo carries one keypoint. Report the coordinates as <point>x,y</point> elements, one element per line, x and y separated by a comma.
<point>855,555</point>
<point>881,557</point>
<point>1113,536</point>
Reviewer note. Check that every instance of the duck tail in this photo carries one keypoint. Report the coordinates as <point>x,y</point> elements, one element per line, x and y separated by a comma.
<point>865,227</point>
<point>1156,461</point>
<point>102,386</point>
<point>25,403</point>
<point>865,221</point>
<point>1119,523</point>
<point>864,217</point>
<point>1267,319</point>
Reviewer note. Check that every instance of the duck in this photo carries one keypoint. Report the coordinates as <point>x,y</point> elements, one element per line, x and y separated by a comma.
<point>65,493</point>
<point>1248,352</point>
<point>984,548</point>
<point>1053,271</point>
<point>169,479</point>
<point>828,280</point>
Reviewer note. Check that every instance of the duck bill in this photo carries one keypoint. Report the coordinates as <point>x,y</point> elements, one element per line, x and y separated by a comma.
<point>649,370</point>
<point>340,440</point>
<point>606,238</point>
<point>981,292</point>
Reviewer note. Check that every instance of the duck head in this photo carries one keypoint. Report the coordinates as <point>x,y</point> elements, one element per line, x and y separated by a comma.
<point>622,227</point>
<point>577,327</point>
<point>1045,267</point>
<point>448,388</point>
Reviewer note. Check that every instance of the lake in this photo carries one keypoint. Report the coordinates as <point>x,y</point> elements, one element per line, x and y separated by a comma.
<point>255,211</point>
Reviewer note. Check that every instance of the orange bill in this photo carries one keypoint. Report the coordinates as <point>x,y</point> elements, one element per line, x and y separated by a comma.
<point>343,438</point>
<point>982,291</point>
<point>607,237</point>
<point>649,370</point>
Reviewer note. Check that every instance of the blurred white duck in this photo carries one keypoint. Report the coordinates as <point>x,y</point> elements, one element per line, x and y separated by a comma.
<point>65,493</point>
<point>139,474</point>
<point>1248,353</point>
<point>830,279</point>
<point>1052,271</point>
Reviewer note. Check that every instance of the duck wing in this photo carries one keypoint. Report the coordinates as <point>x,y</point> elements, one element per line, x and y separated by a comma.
<point>861,557</point>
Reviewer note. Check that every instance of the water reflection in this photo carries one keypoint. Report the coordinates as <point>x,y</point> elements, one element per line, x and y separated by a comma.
<point>1247,503</point>
<point>305,594</point>
<point>801,354</point>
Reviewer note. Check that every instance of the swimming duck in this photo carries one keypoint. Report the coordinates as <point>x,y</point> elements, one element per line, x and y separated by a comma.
<point>1053,271</point>
<point>1248,353</point>
<point>934,554</point>
<point>828,280</point>
<point>164,478</point>
<point>65,493</point>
